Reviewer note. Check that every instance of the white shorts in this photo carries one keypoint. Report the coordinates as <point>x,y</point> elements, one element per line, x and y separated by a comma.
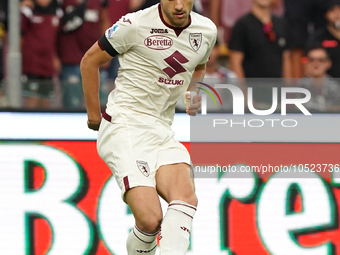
<point>135,152</point>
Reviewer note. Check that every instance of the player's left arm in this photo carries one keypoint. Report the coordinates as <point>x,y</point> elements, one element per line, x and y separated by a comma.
<point>197,76</point>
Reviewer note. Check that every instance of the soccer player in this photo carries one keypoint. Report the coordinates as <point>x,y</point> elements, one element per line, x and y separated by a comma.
<point>160,49</point>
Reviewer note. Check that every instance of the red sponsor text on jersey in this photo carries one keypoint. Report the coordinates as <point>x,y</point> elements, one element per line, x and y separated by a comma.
<point>330,43</point>
<point>158,42</point>
<point>170,82</point>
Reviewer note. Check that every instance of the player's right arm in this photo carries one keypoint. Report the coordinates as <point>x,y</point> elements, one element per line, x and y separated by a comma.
<point>89,67</point>
<point>118,39</point>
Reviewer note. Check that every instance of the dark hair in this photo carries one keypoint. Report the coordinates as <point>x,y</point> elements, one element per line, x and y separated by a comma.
<point>329,4</point>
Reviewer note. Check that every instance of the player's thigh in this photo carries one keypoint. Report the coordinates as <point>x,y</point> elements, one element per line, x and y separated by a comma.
<point>175,182</point>
<point>146,208</point>
<point>130,153</point>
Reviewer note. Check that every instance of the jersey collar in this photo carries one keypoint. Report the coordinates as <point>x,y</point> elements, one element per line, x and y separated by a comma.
<point>178,30</point>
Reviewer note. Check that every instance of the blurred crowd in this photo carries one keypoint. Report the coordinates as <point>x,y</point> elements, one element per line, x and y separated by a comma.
<point>261,44</point>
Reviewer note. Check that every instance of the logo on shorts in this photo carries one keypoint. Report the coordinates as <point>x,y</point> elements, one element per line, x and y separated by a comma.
<point>195,40</point>
<point>143,167</point>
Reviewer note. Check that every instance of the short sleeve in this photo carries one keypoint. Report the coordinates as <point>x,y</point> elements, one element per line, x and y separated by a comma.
<point>122,36</point>
<point>238,37</point>
<point>211,46</point>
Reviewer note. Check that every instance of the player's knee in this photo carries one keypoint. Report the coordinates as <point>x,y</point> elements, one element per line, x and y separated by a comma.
<point>150,223</point>
<point>189,197</point>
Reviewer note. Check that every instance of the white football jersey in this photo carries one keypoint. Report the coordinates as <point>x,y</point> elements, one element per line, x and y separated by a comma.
<point>156,60</point>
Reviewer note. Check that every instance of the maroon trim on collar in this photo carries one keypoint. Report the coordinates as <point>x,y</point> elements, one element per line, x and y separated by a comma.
<point>178,30</point>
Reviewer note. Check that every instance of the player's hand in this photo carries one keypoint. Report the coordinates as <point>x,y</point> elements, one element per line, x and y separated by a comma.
<point>194,106</point>
<point>94,125</point>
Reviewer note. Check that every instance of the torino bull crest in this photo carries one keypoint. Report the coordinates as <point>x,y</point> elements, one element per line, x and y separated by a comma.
<point>195,40</point>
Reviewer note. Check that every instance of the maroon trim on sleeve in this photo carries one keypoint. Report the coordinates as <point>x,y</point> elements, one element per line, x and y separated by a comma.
<point>105,45</point>
<point>178,30</point>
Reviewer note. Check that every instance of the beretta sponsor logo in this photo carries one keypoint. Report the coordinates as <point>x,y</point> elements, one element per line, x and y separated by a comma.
<point>158,42</point>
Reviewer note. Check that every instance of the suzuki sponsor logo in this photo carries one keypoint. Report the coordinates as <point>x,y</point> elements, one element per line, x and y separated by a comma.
<point>170,81</point>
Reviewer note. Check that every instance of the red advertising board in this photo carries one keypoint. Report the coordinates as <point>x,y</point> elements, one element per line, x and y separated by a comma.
<point>58,197</point>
